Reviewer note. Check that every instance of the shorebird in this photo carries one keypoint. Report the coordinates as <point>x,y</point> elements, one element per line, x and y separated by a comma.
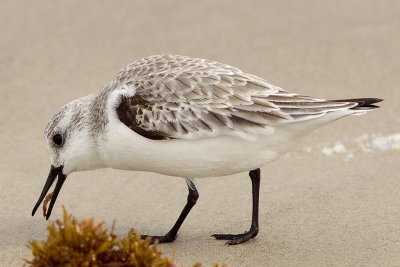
<point>185,117</point>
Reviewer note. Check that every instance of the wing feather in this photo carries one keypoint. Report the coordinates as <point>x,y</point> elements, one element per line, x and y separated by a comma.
<point>182,97</point>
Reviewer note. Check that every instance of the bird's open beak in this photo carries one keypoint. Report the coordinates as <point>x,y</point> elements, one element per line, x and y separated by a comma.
<point>50,180</point>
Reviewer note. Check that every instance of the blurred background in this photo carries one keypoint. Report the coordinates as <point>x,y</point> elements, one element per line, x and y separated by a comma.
<point>334,200</point>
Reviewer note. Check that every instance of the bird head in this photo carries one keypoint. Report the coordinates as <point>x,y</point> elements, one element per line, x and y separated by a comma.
<point>71,144</point>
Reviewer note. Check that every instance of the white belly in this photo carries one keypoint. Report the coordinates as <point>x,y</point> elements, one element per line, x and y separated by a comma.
<point>206,157</point>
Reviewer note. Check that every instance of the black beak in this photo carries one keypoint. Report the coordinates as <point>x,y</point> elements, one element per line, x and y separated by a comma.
<point>50,180</point>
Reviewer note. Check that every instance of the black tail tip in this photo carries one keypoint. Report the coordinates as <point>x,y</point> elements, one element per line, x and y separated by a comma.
<point>363,103</point>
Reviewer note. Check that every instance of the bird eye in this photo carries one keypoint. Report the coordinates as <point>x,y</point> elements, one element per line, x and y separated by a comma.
<point>58,140</point>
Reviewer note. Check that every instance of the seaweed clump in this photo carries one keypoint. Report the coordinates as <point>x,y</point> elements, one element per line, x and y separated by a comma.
<point>86,243</point>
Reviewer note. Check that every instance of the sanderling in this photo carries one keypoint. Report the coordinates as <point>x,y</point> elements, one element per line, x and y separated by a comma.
<point>185,117</point>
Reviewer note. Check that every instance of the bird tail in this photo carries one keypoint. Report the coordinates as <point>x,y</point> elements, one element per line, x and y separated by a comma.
<point>357,106</point>
<point>363,104</point>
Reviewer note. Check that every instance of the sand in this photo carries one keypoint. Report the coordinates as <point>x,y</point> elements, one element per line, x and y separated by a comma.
<point>317,208</point>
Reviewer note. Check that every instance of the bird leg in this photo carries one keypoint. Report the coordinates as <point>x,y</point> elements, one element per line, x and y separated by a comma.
<point>234,239</point>
<point>191,201</point>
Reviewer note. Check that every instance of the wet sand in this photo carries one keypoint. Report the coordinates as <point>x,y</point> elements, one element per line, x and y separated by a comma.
<point>316,209</point>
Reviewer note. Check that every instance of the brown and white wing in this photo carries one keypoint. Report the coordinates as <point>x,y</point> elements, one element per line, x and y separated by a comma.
<point>182,97</point>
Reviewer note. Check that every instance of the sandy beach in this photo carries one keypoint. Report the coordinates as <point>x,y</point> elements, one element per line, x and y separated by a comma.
<point>333,201</point>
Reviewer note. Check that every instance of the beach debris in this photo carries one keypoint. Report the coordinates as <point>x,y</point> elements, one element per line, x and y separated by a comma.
<point>337,148</point>
<point>388,142</point>
<point>349,148</point>
<point>86,243</point>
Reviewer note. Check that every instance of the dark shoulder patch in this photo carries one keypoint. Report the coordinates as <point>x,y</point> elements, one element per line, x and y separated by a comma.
<point>127,111</point>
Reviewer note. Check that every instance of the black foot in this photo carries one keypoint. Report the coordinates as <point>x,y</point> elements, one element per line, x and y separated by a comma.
<point>161,239</point>
<point>238,238</point>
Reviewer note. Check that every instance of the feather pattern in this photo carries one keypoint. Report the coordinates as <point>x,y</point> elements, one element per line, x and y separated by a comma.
<point>182,97</point>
